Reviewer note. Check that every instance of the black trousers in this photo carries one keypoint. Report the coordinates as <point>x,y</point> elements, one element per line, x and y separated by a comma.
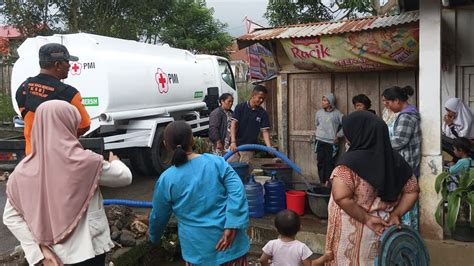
<point>98,260</point>
<point>325,161</point>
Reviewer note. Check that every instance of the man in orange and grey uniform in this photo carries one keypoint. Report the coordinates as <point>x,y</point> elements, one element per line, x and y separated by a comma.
<point>54,62</point>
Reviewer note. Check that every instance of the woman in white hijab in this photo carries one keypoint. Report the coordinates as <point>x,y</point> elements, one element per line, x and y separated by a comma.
<point>458,122</point>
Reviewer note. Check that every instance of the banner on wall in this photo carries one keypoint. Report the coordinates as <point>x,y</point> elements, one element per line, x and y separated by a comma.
<point>356,51</point>
<point>262,63</point>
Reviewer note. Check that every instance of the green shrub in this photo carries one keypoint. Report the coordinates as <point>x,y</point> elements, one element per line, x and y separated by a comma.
<point>244,91</point>
<point>202,145</point>
<point>6,108</point>
<point>463,195</point>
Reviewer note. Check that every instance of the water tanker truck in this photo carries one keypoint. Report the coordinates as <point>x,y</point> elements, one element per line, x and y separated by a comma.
<point>131,91</point>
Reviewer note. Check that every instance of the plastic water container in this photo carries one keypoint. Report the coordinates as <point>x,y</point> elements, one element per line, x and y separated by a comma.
<point>275,199</point>
<point>242,169</point>
<point>254,193</point>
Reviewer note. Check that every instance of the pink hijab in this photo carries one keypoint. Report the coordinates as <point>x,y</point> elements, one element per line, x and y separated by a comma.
<point>51,188</point>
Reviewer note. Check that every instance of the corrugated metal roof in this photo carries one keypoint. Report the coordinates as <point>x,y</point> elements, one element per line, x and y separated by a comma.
<point>328,28</point>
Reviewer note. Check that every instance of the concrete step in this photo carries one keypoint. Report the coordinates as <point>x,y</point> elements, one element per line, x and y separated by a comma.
<point>450,252</point>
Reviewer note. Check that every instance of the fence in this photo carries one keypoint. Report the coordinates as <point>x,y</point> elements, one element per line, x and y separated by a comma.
<point>5,78</point>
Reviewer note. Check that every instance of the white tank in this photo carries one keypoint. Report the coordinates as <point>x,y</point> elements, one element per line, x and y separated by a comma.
<point>115,75</point>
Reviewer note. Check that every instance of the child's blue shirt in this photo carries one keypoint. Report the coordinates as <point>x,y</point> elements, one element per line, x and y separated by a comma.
<point>462,164</point>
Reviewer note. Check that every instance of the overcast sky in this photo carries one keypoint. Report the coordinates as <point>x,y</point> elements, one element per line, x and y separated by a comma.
<point>233,12</point>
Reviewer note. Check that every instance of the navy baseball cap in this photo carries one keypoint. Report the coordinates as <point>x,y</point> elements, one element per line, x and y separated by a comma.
<point>55,52</point>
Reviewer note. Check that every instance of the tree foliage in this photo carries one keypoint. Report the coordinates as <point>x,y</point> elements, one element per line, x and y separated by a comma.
<point>287,12</point>
<point>186,24</point>
<point>194,28</point>
<point>30,17</point>
<point>126,19</point>
<point>353,8</point>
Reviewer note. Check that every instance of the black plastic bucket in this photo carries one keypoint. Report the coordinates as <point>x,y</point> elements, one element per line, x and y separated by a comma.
<point>318,199</point>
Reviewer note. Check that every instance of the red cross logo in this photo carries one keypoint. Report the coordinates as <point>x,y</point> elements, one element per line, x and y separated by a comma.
<point>76,68</point>
<point>161,80</point>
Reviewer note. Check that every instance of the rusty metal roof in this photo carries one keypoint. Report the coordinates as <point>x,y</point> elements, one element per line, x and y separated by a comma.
<point>329,27</point>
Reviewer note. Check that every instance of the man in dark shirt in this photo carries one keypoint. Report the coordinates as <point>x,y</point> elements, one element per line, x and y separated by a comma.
<point>249,119</point>
<point>54,62</point>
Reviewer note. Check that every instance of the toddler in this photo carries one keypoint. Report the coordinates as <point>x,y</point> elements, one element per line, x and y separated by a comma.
<point>286,250</point>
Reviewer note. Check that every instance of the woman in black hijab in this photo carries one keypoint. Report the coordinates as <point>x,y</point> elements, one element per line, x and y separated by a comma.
<point>372,187</point>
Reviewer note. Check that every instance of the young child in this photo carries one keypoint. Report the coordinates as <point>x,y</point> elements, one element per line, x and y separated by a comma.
<point>462,149</point>
<point>328,131</point>
<point>362,102</point>
<point>286,251</point>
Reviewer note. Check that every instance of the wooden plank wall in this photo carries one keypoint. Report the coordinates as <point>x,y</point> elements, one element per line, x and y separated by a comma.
<point>347,85</point>
<point>304,99</point>
<point>305,93</point>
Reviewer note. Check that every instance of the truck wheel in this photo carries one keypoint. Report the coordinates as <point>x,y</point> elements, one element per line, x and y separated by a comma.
<point>160,156</point>
<point>135,165</point>
<point>142,163</point>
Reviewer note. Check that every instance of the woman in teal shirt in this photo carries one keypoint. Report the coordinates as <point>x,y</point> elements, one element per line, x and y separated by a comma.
<point>208,199</point>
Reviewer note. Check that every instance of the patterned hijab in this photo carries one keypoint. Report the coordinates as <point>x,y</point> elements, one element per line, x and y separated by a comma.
<point>51,188</point>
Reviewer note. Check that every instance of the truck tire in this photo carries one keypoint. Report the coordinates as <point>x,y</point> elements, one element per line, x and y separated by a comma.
<point>140,160</point>
<point>135,165</point>
<point>160,156</point>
